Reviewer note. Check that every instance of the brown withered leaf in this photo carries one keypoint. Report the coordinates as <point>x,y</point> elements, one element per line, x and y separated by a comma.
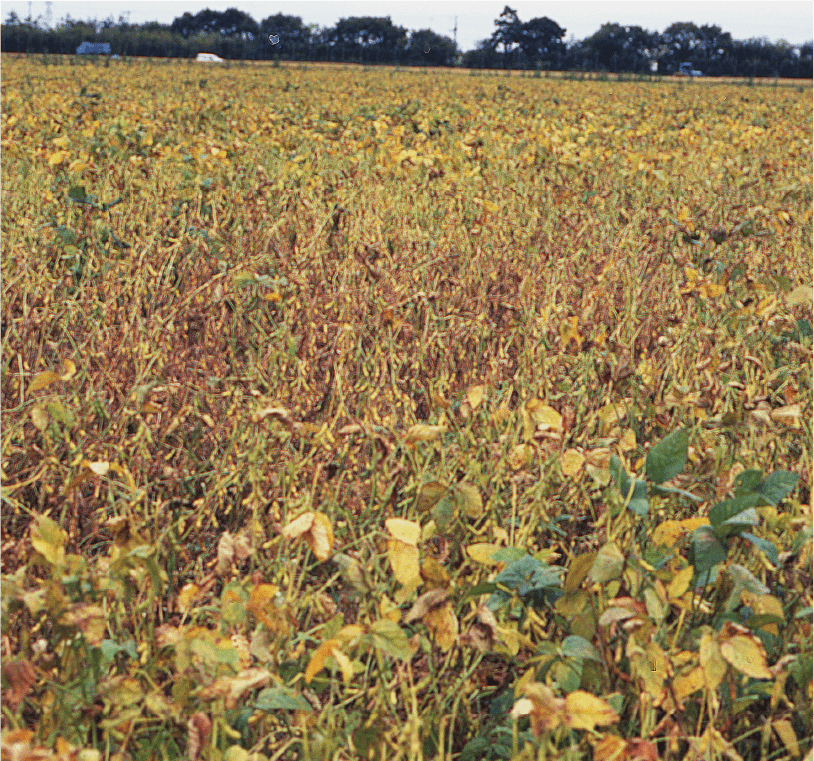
<point>435,598</point>
<point>199,727</point>
<point>21,676</point>
<point>483,632</point>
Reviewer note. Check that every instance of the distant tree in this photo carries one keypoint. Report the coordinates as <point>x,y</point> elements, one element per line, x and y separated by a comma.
<point>685,41</point>
<point>368,39</point>
<point>425,47</point>
<point>508,30</point>
<point>207,21</point>
<point>290,37</point>
<point>484,56</point>
<point>235,23</point>
<point>621,48</point>
<point>540,41</point>
<point>185,25</point>
<point>531,43</point>
<point>805,66</point>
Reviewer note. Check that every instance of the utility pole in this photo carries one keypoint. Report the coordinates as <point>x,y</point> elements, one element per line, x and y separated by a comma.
<point>455,32</point>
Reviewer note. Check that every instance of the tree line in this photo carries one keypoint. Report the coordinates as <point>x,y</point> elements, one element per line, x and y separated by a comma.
<point>536,44</point>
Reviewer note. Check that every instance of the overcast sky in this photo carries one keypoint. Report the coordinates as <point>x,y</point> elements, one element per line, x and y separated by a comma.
<point>791,20</point>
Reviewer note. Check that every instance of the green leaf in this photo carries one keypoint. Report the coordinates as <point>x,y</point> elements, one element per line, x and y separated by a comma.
<point>738,523</point>
<point>668,458</point>
<point>443,511</point>
<point>390,638</point>
<point>673,490</point>
<point>638,503</point>
<point>574,646</point>
<point>723,511</point>
<point>485,588</point>
<point>60,413</point>
<point>747,481</point>
<point>527,575</point>
<point>78,195</point>
<point>508,555</point>
<point>476,749</point>
<point>804,329</point>
<point>758,622</point>
<point>111,204</point>
<point>281,699</point>
<point>706,550</point>
<point>764,545</point>
<point>778,485</point>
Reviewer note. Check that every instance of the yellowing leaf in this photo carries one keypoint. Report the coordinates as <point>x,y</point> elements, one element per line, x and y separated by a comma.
<point>404,561</point>
<point>39,416</point>
<point>685,685</point>
<point>474,395</point>
<point>690,524</point>
<point>546,418</point>
<point>91,620</point>
<point>628,441</point>
<point>746,655</point>
<point>42,380</point>
<point>316,530</point>
<point>481,552</point>
<point>421,432</point>
<point>57,157</point>
<point>100,468</point>
<point>520,456</point>
<point>762,605</point>
<point>608,564</point>
<point>262,606</point>
<point>388,610</point>
<point>599,457</point>
<point>613,748</point>
<point>711,660</point>
<point>789,415</point>
<point>469,498</point>
<point>569,332</point>
<point>69,369</point>
<point>408,532</point>
<point>802,294</point>
<point>571,462</point>
<point>545,710</point>
<point>187,596</point>
<point>668,533</point>
<point>443,626</point>
<point>321,537</point>
<point>48,539</point>
<point>680,583</point>
<point>429,494</point>
<point>434,574</point>
<point>586,711</point>
<point>787,735</point>
<point>321,654</point>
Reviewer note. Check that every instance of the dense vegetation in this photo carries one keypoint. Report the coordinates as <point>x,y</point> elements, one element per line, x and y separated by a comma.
<point>515,44</point>
<point>371,413</point>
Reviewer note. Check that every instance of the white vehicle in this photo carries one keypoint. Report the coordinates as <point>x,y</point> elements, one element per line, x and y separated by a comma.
<point>208,58</point>
<point>686,70</point>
